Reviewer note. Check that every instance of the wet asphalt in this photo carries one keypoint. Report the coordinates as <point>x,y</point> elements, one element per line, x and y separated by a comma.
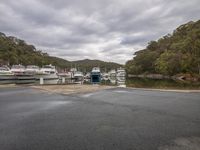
<point>114,119</point>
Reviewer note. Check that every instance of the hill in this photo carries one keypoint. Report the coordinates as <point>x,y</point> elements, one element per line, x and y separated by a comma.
<point>17,51</point>
<point>89,64</point>
<point>171,54</point>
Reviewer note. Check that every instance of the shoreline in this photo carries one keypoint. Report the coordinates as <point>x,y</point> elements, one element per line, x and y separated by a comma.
<point>72,88</point>
<point>87,88</point>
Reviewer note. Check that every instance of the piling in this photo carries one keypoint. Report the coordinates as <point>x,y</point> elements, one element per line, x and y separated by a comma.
<point>41,81</point>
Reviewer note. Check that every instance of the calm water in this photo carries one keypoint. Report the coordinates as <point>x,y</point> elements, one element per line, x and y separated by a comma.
<point>123,82</point>
<point>164,83</point>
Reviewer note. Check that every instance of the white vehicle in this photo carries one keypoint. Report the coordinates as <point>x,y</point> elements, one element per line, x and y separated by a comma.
<point>121,72</point>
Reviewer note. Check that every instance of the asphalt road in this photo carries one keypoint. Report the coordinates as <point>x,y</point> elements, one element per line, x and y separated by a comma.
<point>114,119</point>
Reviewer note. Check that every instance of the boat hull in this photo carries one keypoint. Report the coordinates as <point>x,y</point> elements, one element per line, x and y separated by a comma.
<point>47,78</point>
<point>25,79</point>
<point>7,79</point>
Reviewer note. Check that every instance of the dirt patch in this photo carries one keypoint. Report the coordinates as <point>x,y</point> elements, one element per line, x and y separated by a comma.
<point>72,89</point>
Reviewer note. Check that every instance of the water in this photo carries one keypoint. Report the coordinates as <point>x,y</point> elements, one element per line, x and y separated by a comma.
<point>161,83</point>
<point>120,82</point>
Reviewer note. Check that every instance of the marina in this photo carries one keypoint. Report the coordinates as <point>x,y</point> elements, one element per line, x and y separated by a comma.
<point>48,74</point>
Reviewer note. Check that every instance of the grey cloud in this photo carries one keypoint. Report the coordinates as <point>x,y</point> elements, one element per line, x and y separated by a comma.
<point>98,29</point>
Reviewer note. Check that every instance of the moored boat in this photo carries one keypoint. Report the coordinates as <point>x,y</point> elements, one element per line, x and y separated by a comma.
<point>78,77</point>
<point>112,73</point>
<point>21,76</point>
<point>121,72</point>
<point>6,75</point>
<point>32,69</point>
<point>95,75</point>
<point>48,73</point>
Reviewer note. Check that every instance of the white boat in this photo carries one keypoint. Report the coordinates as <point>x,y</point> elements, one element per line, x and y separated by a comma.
<point>105,75</point>
<point>121,81</point>
<point>67,75</point>
<point>49,74</point>
<point>112,73</point>
<point>95,75</point>
<point>32,69</point>
<point>87,76</point>
<point>78,75</point>
<point>121,72</point>
<point>6,75</point>
<point>21,75</point>
<point>18,69</point>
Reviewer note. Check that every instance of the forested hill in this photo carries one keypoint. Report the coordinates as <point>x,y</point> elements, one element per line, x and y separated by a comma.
<point>16,51</point>
<point>171,54</point>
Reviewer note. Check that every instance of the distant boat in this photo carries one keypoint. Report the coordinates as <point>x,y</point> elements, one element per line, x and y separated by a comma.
<point>18,69</point>
<point>121,72</point>
<point>112,73</point>
<point>32,69</point>
<point>96,75</point>
<point>67,75</point>
<point>21,75</point>
<point>49,74</point>
<point>6,75</point>
<point>121,81</point>
<point>78,77</point>
<point>87,76</point>
<point>105,75</point>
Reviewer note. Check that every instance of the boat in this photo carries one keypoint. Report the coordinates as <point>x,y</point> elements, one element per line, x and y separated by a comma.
<point>32,69</point>
<point>48,73</point>
<point>78,77</point>
<point>112,73</point>
<point>18,69</point>
<point>95,75</point>
<point>87,76</point>
<point>121,81</point>
<point>6,75</point>
<point>105,75</point>
<point>121,72</point>
<point>22,77</point>
<point>67,75</point>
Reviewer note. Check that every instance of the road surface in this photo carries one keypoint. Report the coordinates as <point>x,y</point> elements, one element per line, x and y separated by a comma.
<point>112,119</point>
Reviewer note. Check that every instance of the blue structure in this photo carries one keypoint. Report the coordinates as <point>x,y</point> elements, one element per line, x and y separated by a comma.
<point>95,75</point>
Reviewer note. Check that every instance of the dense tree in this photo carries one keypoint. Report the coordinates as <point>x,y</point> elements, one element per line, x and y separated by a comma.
<point>15,51</point>
<point>171,54</point>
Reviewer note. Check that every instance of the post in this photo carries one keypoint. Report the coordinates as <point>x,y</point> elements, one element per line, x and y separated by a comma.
<point>63,80</point>
<point>41,81</point>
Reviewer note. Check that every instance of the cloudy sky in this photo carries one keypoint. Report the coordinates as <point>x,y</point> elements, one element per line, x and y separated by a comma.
<point>110,30</point>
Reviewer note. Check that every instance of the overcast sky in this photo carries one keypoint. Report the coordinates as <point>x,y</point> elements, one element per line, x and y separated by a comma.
<point>110,30</point>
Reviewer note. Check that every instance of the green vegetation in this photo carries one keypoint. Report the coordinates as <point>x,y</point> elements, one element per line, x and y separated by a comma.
<point>16,51</point>
<point>171,54</point>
